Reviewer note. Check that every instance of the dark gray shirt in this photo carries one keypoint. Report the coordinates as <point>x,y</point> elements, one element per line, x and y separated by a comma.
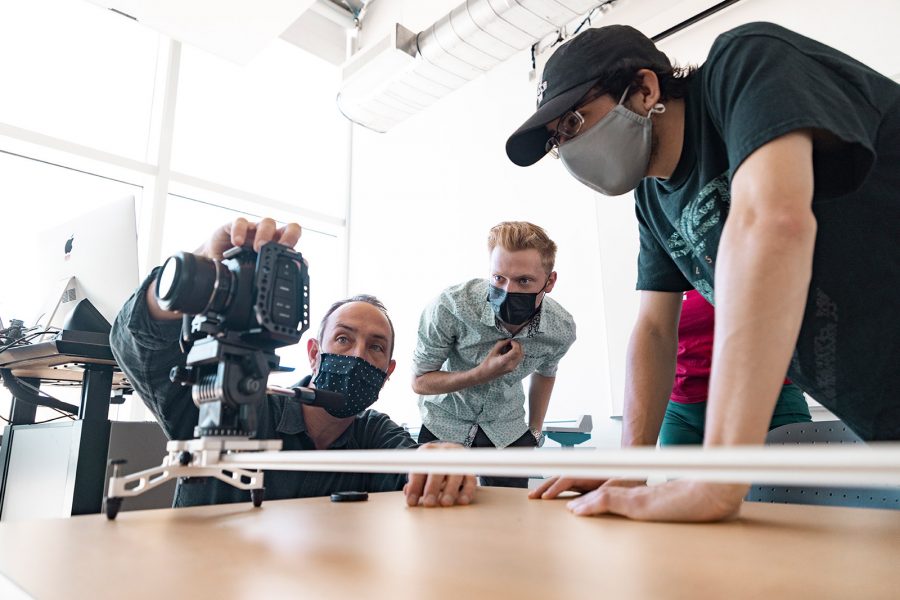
<point>147,349</point>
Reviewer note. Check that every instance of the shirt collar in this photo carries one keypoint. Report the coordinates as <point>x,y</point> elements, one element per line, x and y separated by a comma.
<point>289,414</point>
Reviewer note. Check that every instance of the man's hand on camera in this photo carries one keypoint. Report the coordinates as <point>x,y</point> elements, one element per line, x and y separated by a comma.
<point>242,232</point>
<point>439,490</point>
<point>239,232</point>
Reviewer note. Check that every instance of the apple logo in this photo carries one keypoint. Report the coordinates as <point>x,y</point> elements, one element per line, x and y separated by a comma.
<point>69,246</point>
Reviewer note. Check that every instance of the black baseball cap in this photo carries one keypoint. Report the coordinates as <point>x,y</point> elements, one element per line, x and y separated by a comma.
<point>571,72</point>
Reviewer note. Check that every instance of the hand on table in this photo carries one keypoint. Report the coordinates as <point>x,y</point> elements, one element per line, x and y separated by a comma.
<point>439,490</point>
<point>553,487</point>
<point>682,501</point>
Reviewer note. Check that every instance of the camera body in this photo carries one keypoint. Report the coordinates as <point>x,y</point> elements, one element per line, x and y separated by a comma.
<point>237,312</point>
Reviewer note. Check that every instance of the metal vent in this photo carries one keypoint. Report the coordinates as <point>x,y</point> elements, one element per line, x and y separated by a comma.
<point>393,79</point>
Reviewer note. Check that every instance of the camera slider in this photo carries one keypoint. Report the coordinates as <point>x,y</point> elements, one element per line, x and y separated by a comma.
<point>200,457</point>
<point>191,458</point>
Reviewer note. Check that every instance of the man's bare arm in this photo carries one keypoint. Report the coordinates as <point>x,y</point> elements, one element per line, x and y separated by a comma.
<point>650,367</point>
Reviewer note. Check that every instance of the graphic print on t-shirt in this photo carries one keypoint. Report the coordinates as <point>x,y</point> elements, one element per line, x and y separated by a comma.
<point>704,214</point>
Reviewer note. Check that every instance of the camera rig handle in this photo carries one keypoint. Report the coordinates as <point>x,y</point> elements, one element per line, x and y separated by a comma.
<point>312,396</point>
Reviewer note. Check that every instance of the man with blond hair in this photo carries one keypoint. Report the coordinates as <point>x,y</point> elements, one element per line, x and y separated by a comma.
<point>478,340</point>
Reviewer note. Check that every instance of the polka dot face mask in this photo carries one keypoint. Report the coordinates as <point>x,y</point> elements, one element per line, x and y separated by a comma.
<point>359,381</point>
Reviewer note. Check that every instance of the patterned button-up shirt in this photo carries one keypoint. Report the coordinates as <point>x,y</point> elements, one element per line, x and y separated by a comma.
<point>456,332</point>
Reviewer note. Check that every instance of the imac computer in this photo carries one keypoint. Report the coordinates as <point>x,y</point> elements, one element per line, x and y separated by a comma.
<point>93,256</point>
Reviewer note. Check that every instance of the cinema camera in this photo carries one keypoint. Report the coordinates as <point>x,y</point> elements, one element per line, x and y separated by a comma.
<point>236,313</point>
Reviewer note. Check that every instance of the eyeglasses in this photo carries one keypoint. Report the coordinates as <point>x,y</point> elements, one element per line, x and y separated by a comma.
<point>567,127</point>
<point>571,122</point>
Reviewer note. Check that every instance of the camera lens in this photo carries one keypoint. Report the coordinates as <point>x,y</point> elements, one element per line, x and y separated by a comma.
<point>192,284</point>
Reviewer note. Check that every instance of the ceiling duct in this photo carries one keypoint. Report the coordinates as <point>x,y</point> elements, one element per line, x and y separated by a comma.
<point>406,72</point>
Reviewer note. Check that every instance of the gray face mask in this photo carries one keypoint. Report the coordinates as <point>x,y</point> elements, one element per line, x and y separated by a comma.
<point>612,156</point>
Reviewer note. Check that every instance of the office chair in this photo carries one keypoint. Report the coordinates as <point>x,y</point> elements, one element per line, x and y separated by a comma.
<point>821,432</point>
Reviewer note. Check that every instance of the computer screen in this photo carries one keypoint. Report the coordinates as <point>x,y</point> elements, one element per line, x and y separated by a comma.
<point>92,256</point>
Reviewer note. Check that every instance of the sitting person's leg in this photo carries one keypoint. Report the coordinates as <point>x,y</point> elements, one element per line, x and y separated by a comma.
<point>683,424</point>
<point>426,436</point>
<point>526,441</point>
<point>790,408</point>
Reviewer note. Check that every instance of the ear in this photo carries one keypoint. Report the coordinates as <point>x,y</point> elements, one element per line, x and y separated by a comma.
<point>391,367</point>
<point>312,350</point>
<point>551,281</point>
<point>647,95</point>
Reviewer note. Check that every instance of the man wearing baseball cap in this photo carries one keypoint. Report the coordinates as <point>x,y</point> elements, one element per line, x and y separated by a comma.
<point>768,179</point>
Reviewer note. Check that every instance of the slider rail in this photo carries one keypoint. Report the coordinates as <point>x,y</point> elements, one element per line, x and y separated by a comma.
<point>239,462</point>
<point>871,465</point>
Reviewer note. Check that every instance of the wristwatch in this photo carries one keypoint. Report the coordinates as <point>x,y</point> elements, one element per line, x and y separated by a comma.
<point>539,436</point>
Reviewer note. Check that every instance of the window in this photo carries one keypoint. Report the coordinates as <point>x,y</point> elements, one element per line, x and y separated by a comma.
<point>270,128</point>
<point>244,144</point>
<point>78,72</point>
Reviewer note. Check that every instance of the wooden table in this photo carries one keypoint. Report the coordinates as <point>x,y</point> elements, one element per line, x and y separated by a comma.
<point>503,546</point>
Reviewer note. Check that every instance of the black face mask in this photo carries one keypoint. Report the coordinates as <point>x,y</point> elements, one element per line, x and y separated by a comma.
<point>513,308</point>
<point>358,380</point>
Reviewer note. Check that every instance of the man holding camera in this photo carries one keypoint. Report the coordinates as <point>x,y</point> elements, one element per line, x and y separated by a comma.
<point>478,340</point>
<point>355,344</point>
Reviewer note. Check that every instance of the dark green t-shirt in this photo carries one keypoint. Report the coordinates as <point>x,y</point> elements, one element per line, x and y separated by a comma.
<point>759,82</point>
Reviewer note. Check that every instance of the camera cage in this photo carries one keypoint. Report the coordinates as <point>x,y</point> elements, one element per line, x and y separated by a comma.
<point>230,352</point>
<point>267,277</point>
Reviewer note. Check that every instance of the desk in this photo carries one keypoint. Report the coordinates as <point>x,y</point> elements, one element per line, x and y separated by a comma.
<point>49,361</point>
<point>79,450</point>
<point>503,546</point>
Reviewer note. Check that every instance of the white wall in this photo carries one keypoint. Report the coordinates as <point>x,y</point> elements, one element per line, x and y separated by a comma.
<point>866,30</point>
<point>425,196</point>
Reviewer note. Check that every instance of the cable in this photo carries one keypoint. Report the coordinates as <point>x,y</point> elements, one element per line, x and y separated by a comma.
<point>23,391</point>
<point>587,19</point>
<point>8,422</point>
<point>561,37</point>
<point>38,390</point>
<point>26,392</point>
<point>54,419</point>
<point>26,340</point>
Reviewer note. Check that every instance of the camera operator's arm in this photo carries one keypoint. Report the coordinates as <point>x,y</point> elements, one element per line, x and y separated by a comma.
<point>380,432</point>
<point>146,350</point>
<point>435,489</point>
